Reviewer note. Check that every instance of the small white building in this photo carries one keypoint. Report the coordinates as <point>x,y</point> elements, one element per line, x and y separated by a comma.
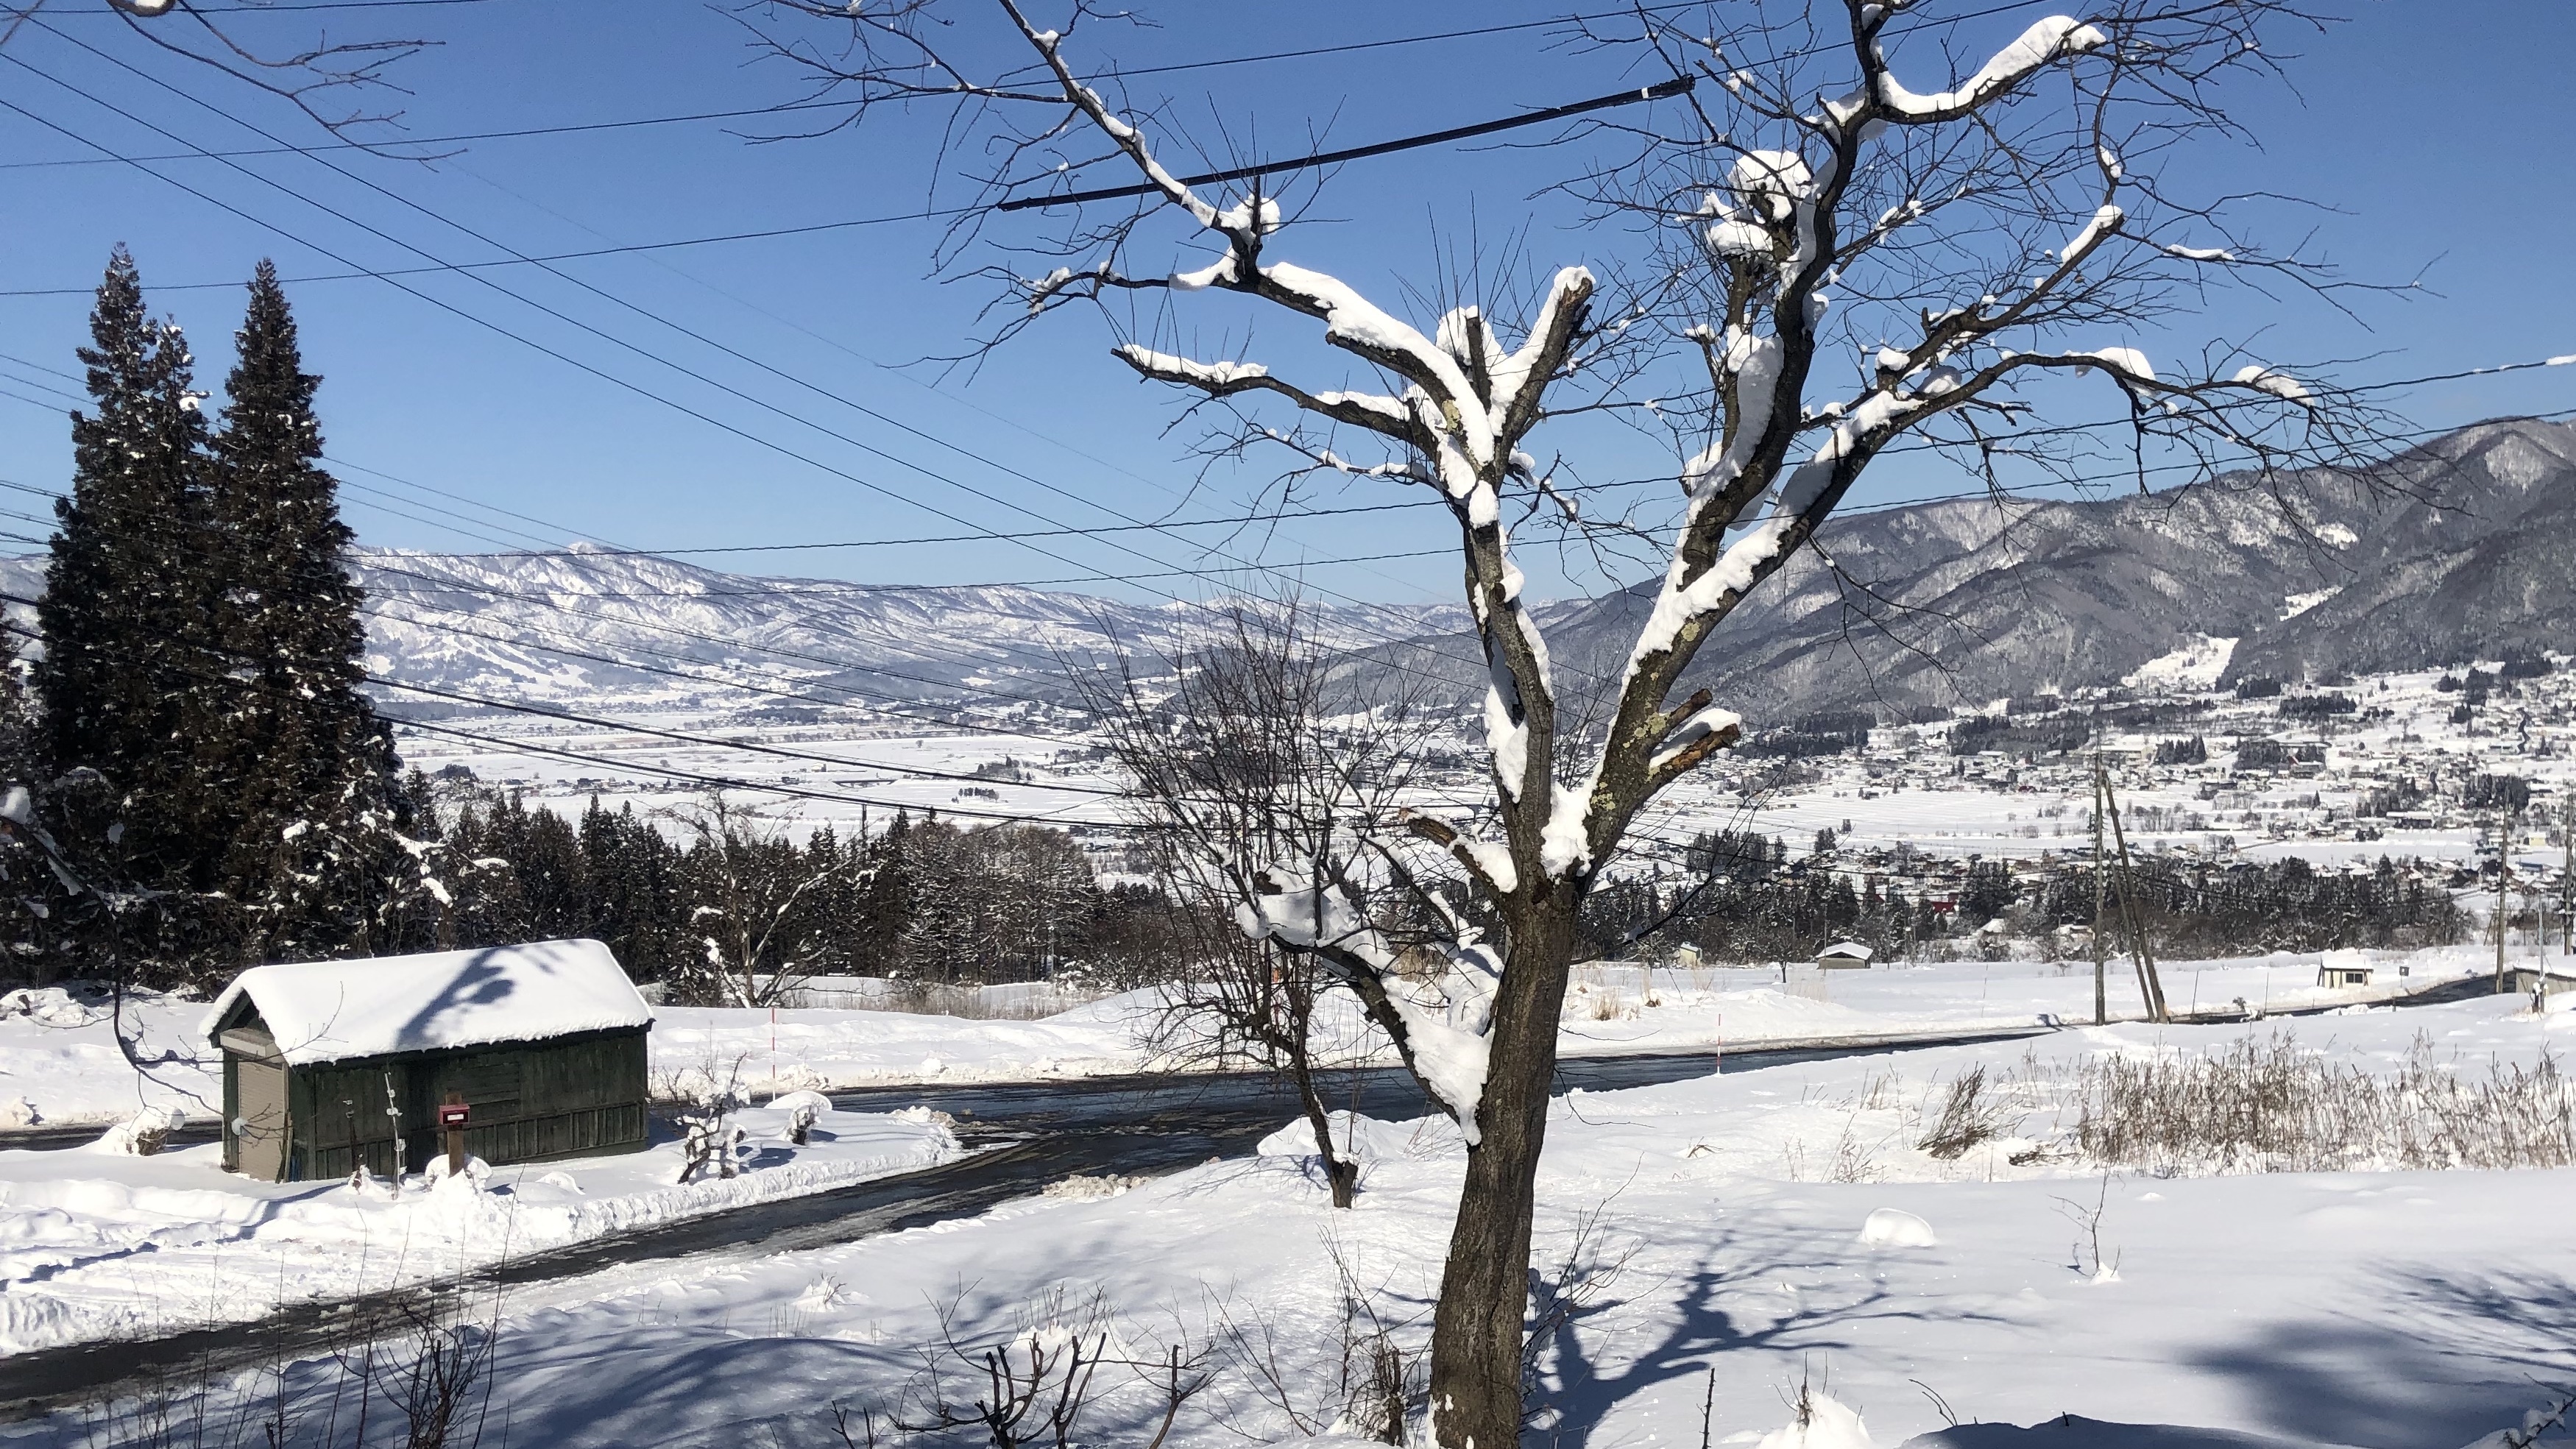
<point>1844,956</point>
<point>2343,968</point>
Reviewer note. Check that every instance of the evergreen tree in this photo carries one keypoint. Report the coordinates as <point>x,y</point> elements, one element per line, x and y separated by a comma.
<point>131,680</point>
<point>31,896</point>
<point>315,766</point>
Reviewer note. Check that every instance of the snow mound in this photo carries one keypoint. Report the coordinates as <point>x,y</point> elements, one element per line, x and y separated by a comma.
<point>1820,1422</point>
<point>143,1134</point>
<point>477,1173</point>
<point>1896,1228</point>
<point>1365,1139</point>
<point>826,1294</point>
<point>1084,1188</point>
<point>49,1006</point>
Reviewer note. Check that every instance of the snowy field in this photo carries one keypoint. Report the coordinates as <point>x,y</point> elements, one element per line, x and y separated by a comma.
<point>59,1062</point>
<point>100,1244</point>
<point>1731,1239</point>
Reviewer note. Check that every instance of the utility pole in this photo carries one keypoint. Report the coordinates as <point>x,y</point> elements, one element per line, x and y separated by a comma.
<point>2504,871</point>
<point>2101,1001</point>
<point>2143,953</point>
<point>2566,877</point>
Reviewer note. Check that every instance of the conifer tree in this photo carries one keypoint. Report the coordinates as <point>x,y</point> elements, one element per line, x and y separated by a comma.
<point>131,679</point>
<point>316,766</point>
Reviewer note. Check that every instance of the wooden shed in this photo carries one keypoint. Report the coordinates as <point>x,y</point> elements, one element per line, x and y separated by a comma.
<point>332,1064</point>
<point>1844,956</point>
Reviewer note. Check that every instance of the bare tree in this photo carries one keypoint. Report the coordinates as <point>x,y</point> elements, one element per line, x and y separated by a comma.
<point>312,78</point>
<point>1249,750</point>
<point>1845,262</point>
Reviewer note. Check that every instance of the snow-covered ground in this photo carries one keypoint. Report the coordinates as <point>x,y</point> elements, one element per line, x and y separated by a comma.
<point>61,1063</point>
<point>1907,787</point>
<point>1732,1238</point>
<point>99,1244</point>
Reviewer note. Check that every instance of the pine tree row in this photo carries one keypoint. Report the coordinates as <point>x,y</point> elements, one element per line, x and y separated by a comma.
<point>725,910</point>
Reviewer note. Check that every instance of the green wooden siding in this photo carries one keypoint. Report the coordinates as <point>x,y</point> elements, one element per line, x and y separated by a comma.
<point>529,1101</point>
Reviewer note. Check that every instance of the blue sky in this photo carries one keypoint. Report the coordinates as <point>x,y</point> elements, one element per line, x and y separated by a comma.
<point>2433,135</point>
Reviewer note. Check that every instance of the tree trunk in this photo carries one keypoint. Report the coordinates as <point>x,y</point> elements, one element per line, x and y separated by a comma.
<point>1476,1336</point>
<point>1341,1174</point>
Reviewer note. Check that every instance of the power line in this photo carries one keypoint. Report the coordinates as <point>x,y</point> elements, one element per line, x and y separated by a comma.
<point>762,403</point>
<point>636,388</point>
<point>704,741</point>
<point>782,374</point>
<point>931,214</point>
<point>942,442</point>
<point>2025,491</point>
<point>767,234</point>
<point>1662,90</point>
<point>727,782</point>
<point>792,107</point>
<point>78,400</point>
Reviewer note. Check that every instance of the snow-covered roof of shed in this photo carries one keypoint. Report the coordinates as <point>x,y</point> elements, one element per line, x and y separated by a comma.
<point>329,1011</point>
<point>1847,948</point>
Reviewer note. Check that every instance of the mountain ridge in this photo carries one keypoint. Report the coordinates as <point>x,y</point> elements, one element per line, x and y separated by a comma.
<point>2461,548</point>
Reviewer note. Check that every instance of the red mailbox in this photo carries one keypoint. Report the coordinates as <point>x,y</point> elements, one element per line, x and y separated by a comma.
<point>452,1115</point>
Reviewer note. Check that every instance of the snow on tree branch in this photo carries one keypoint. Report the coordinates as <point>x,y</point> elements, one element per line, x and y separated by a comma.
<point>1848,261</point>
<point>2045,43</point>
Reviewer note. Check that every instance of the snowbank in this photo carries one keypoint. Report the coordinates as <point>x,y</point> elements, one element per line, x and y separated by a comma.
<point>96,1243</point>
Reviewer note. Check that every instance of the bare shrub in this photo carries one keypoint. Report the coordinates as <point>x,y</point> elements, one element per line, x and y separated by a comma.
<point>1037,1383</point>
<point>421,1379</point>
<point>1379,1382</point>
<point>1969,1116</point>
<point>2275,1107</point>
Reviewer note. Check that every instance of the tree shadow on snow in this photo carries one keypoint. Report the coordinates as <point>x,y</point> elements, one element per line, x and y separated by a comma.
<point>2073,1431</point>
<point>2454,1356</point>
<point>1579,1385</point>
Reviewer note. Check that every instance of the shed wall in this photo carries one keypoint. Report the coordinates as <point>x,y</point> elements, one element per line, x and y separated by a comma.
<point>530,1101</point>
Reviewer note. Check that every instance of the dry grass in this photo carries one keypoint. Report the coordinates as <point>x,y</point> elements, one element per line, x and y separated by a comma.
<point>2273,1106</point>
<point>2255,1105</point>
<point>1969,1116</point>
<point>1030,1001</point>
<point>410,1379</point>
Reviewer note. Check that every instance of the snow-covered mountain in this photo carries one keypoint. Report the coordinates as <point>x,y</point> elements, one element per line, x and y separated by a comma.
<point>593,621</point>
<point>2462,548</point>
